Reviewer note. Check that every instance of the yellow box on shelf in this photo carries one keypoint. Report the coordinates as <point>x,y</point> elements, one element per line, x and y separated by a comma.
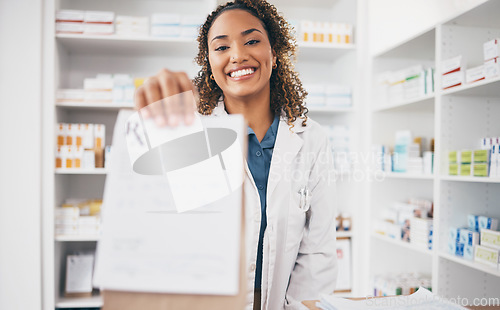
<point>490,238</point>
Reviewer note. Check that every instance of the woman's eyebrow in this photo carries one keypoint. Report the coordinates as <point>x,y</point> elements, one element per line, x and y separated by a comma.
<point>243,33</point>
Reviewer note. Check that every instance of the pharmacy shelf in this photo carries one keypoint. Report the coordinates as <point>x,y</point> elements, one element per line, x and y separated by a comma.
<point>416,47</point>
<point>93,106</point>
<point>469,179</point>
<point>94,301</point>
<point>330,109</point>
<point>402,175</point>
<point>114,45</point>
<point>344,234</point>
<point>471,264</point>
<point>80,171</point>
<point>314,51</point>
<point>402,244</point>
<point>165,46</point>
<point>76,238</point>
<point>423,104</point>
<point>484,88</point>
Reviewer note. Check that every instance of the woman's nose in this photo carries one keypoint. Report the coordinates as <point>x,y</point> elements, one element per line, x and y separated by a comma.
<point>238,53</point>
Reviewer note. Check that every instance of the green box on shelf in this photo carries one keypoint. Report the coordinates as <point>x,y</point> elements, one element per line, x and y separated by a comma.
<point>481,156</point>
<point>453,169</point>
<point>466,157</point>
<point>465,169</point>
<point>452,156</point>
<point>481,170</point>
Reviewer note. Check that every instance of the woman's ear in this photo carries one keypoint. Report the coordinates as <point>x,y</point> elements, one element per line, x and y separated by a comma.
<point>274,57</point>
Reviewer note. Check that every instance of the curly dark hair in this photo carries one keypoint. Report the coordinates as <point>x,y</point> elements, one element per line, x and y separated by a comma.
<point>287,93</point>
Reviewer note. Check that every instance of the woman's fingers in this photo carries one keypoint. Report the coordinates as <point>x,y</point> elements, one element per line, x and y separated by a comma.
<point>163,98</point>
<point>188,104</point>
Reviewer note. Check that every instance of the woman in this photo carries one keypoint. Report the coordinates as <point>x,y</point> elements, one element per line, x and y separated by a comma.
<point>245,49</point>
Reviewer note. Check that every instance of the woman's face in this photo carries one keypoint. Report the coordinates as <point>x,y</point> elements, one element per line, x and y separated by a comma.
<point>240,54</point>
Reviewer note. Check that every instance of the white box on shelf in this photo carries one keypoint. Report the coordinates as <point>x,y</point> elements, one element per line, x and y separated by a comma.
<point>88,136</point>
<point>165,19</point>
<point>98,84</point>
<point>491,68</point>
<point>132,20</point>
<point>165,30</point>
<point>69,27</point>
<point>491,49</point>
<point>70,16</point>
<point>70,95</point>
<point>452,64</point>
<point>99,17</point>
<point>98,29</point>
<point>79,273</point>
<point>474,74</point>
<point>490,238</point>
<point>453,79</point>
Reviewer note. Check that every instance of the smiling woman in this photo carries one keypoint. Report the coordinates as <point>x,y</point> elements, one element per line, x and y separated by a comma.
<point>245,52</point>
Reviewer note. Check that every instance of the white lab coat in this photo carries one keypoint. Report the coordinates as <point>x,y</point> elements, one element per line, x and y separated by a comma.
<point>299,254</point>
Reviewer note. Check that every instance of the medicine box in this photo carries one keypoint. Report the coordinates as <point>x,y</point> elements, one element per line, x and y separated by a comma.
<point>490,238</point>
<point>452,65</point>
<point>70,16</point>
<point>165,19</point>
<point>454,235</point>
<point>469,252</point>
<point>481,156</point>
<point>456,248</point>
<point>469,237</point>
<point>491,49</point>
<point>453,79</point>
<point>453,169</point>
<point>492,68</point>
<point>487,223</point>
<point>480,170</point>
<point>99,136</point>
<point>466,157</point>
<point>474,74</point>
<point>486,255</point>
<point>473,222</point>
<point>465,169</point>
<point>69,27</point>
<point>103,17</point>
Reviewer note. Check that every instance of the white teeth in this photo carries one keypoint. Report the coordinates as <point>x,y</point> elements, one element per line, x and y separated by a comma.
<point>241,72</point>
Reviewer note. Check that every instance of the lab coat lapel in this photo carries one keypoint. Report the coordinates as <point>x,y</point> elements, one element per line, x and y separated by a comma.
<point>287,145</point>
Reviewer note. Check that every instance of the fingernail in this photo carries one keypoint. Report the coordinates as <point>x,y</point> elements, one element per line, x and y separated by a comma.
<point>172,119</point>
<point>160,120</point>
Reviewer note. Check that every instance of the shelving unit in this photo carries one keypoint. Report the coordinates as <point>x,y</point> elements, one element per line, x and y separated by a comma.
<point>69,58</point>
<point>457,118</point>
<point>402,244</point>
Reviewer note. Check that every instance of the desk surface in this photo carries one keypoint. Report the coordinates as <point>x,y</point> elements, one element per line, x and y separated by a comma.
<point>311,304</point>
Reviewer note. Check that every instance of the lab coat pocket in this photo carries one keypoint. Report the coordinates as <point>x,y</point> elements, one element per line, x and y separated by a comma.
<point>297,208</point>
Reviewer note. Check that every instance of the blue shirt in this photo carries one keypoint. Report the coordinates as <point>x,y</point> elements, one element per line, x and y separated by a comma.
<point>259,162</point>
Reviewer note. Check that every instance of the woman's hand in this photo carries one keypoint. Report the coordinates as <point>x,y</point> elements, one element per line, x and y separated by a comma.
<point>155,98</point>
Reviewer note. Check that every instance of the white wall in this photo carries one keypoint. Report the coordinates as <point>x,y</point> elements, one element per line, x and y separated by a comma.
<point>391,21</point>
<point>20,124</point>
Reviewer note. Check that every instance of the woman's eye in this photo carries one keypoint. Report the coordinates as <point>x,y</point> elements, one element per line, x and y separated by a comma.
<point>221,48</point>
<point>252,42</point>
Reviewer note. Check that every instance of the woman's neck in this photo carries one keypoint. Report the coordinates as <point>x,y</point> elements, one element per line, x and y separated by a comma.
<point>256,110</point>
